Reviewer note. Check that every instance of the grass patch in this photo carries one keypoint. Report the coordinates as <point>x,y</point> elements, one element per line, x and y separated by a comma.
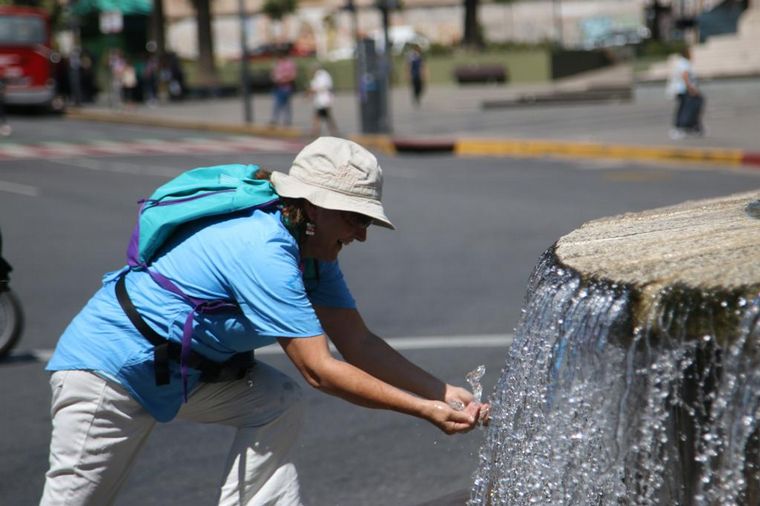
<point>523,66</point>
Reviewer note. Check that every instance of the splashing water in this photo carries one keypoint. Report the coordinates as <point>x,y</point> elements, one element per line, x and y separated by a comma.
<point>594,409</point>
<point>473,378</point>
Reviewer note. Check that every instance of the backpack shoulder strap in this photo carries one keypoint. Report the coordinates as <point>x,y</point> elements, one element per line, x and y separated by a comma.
<point>160,343</point>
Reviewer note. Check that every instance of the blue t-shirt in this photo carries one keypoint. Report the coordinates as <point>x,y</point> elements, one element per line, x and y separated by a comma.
<point>249,258</point>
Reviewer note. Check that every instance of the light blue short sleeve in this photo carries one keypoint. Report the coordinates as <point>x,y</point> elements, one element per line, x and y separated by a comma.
<point>329,287</point>
<point>268,286</point>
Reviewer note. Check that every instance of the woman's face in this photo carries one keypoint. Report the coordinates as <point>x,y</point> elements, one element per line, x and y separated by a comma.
<point>332,231</point>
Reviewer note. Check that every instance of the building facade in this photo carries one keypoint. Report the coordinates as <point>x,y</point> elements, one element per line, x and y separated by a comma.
<point>327,26</point>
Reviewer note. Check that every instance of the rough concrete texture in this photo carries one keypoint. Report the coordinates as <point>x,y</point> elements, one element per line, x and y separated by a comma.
<point>700,244</point>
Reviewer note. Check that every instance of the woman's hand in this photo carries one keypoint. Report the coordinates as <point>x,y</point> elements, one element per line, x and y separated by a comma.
<point>457,397</point>
<point>460,399</point>
<point>450,420</point>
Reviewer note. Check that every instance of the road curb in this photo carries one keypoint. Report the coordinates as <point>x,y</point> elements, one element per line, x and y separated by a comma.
<point>540,148</point>
<point>493,147</point>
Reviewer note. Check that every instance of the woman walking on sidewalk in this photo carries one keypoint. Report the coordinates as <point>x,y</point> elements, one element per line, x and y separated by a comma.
<point>279,265</point>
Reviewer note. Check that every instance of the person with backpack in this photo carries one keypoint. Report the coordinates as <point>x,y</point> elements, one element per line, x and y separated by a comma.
<point>224,260</point>
<point>682,85</point>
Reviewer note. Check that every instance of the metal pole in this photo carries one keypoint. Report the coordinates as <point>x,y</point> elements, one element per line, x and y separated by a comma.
<point>244,76</point>
<point>74,61</point>
<point>558,21</point>
<point>385,6</point>
<point>350,7</point>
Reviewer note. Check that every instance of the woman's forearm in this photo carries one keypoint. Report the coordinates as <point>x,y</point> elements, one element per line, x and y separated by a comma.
<point>379,359</point>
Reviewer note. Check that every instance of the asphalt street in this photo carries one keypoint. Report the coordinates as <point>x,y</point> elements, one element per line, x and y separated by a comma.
<point>469,232</point>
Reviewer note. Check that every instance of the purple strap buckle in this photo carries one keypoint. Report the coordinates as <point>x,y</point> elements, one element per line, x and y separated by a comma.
<point>199,306</point>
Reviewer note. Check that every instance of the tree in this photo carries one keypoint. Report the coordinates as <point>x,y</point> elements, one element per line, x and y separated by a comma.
<point>278,9</point>
<point>207,71</point>
<point>158,29</point>
<point>472,38</point>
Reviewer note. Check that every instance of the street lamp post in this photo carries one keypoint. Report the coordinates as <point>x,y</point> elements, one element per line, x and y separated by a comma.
<point>385,7</point>
<point>74,60</point>
<point>558,21</point>
<point>244,75</point>
<point>350,7</point>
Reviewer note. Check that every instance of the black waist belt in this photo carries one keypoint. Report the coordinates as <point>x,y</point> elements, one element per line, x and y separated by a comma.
<point>164,350</point>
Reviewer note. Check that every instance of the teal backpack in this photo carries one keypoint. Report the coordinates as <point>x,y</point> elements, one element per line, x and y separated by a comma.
<point>195,194</point>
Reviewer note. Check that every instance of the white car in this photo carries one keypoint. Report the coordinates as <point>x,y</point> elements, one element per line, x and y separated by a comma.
<point>401,38</point>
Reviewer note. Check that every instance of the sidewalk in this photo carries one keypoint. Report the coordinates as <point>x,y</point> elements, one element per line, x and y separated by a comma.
<point>557,119</point>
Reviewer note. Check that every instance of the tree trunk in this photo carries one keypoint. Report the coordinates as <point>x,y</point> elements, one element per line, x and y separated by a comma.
<point>157,26</point>
<point>471,38</point>
<point>207,72</point>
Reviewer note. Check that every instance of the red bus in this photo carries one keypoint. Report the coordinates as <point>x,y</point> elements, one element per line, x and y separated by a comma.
<point>28,63</point>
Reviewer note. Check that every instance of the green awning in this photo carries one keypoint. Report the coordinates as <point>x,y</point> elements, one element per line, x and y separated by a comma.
<point>82,7</point>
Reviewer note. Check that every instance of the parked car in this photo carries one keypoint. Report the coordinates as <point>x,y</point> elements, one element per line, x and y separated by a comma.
<point>618,37</point>
<point>401,38</point>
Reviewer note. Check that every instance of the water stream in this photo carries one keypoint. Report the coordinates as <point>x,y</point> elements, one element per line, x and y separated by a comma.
<point>612,397</point>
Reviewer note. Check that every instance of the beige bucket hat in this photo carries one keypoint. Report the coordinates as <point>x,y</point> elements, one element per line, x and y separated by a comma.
<point>336,174</point>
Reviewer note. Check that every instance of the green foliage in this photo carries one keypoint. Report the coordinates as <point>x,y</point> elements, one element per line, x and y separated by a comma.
<point>278,9</point>
<point>437,49</point>
<point>654,48</point>
<point>531,64</point>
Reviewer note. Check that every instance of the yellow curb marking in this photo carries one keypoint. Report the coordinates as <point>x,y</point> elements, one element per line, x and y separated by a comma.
<point>381,143</point>
<point>538,148</point>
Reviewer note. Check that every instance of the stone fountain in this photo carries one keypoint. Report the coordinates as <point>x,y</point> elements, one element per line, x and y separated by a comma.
<point>634,375</point>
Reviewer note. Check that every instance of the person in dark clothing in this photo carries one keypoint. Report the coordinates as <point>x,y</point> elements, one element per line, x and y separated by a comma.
<point>417,73</point>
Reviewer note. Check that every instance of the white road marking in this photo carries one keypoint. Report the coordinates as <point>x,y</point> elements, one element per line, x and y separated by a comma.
<point>426,343</point>
<point>17,151</point>
<point>19,189</point>
<point>142,147</point>
<point>500,341</point>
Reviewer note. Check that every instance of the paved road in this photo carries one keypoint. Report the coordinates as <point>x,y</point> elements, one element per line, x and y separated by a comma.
<point>470,231</point>
<point>731,114</point>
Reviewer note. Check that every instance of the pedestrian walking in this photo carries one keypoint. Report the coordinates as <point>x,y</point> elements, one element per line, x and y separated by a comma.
<point>417,73</point>
<point>116,66</point>
<point>321,91</point>
<point>149,79</point>
<point>284,74</point>
<point>277,264</point>
<point>129,84</point>
<point>682,85</point>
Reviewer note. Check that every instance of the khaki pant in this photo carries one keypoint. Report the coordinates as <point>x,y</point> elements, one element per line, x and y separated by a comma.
<point>98,430</point>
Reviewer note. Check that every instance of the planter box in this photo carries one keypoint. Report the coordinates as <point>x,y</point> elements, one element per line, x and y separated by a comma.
<point>480,73</point>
